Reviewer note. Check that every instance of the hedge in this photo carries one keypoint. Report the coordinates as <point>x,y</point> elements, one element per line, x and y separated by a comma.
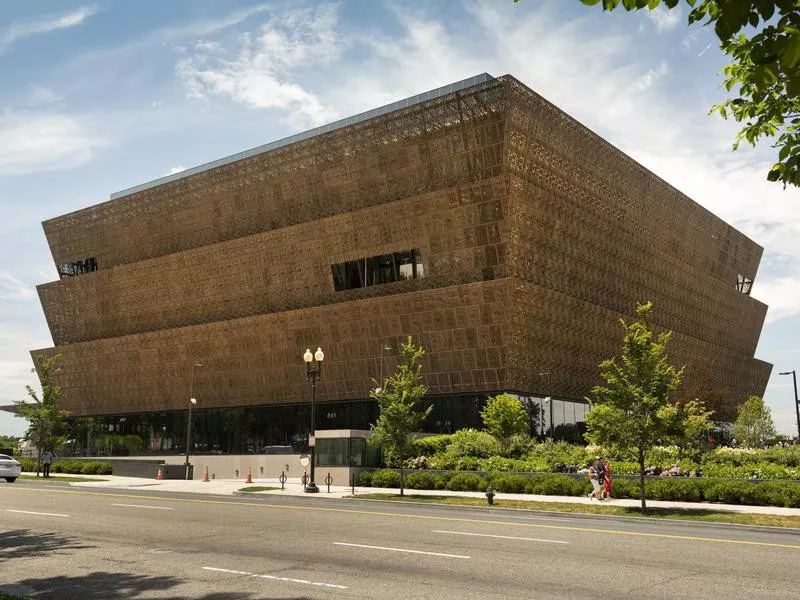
<point>678,489</point>
<point>77,467</point>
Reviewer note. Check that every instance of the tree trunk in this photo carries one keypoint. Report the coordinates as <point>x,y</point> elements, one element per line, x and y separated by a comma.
<point>641,480</point>
<point>402,479</point>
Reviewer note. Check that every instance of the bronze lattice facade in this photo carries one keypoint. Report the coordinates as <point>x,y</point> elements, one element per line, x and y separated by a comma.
<point>535,236</point>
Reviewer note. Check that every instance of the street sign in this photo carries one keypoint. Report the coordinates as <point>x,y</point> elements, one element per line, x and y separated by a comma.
<point>311,441</point>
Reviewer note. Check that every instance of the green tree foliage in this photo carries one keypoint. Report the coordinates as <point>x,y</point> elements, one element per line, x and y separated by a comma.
<point>632,412</point>
<point>46,420</point>
<point>762,39</point>
<point>398,400</point>
<point>504,417</point>
<point>754,426</point>
<point>693,422</point>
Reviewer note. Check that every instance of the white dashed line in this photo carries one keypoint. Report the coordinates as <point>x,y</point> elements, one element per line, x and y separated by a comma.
<point>401,550</point>
<point>502,537</point>
<point>275,578</point>
<point>29,512</point>
<point>144,506</point>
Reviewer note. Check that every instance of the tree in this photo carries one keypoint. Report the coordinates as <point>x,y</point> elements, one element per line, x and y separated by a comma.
<point>504,417</point>
<point>754,426</point>
<point>632,411</point>
<point>398,402</point>
<point>693,420</point>
<point>45,418</point>
<point>762,38</point>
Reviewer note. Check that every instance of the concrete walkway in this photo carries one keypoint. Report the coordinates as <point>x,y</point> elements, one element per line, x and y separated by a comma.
<point>293,487</point>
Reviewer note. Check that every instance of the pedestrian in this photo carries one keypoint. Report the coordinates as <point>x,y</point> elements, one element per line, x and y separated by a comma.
<point>594,479</point>
<point>607,480</point>
<point>47,460</point>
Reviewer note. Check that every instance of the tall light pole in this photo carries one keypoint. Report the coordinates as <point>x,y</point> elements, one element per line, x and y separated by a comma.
<point>796,401</point>
<point>383,347</point>
<point>312,372</point>
<point>549,400</point>
<point>192,401</point>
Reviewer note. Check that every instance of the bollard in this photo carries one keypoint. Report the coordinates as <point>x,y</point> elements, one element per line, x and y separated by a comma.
<point>329,481</point>
<point>353,482</point>
<point>282,479</point>
<point>490,495</point>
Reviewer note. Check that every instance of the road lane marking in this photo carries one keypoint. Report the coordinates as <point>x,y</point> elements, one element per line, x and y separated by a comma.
<point>502,537</point>
<point>144,506</point>
<point>276,578</point>
<point>354,511</point>
<point>30,512</point>
<point>401,550</point>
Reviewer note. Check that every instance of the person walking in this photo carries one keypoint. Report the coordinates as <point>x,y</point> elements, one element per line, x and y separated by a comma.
<point>47,460</point>
<point>594,478</point>
<point>607,480</point>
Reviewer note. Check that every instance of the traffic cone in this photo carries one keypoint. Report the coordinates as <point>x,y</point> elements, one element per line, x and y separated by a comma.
<point>205,477</point>
<point>159,477</point>
<point>249,476</point>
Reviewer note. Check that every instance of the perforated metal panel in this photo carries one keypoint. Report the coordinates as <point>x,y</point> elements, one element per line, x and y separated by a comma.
<point>536,237</point>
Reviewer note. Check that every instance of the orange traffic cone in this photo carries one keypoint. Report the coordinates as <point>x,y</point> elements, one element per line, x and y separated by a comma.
<point>249,476</point>
<point>159,477</point>
<point>205,477</point>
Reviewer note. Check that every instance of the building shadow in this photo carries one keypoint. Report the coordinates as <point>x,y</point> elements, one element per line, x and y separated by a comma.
<point>25,543</point>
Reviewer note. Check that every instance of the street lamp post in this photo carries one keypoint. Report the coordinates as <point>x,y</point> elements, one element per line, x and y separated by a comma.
<point>549,400</point>
<point>192,401</point>
<point>793,373</point>
<point>383,347</point>
<point>313,371</point>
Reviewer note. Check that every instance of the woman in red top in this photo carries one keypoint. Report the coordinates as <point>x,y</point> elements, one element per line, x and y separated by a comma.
<point>607,481</point>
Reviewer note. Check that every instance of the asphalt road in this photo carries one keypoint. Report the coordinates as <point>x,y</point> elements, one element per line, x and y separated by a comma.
<point>64,543</point>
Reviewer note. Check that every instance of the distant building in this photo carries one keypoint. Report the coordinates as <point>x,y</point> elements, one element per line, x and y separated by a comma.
<point>479,219</point>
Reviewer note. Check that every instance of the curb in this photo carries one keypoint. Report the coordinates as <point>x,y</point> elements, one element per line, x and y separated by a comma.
<point>551,513</point>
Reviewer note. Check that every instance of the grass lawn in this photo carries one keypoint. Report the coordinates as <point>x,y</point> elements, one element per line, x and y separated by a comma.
<point>9,597</point>
<point>64,478</point>
<point>690,514</point>
<point>258,488</point>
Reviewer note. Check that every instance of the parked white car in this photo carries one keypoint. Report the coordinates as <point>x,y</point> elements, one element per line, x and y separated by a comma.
<point>9,468</point>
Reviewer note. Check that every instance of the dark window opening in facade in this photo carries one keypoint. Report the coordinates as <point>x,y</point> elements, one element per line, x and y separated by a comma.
<point>78,267</point>
<point>743,284</point>
<point>378,270</point>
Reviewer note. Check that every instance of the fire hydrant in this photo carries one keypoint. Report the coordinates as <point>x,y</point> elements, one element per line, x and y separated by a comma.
<point>490,495</point>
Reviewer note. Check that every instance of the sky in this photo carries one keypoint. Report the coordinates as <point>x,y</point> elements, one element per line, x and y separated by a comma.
<point>99,97</point>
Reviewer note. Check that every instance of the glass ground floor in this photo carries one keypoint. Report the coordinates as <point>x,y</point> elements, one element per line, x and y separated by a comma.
<point>285,428</point>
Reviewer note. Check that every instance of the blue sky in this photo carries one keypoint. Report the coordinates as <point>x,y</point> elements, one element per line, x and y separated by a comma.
<point>100,97</point>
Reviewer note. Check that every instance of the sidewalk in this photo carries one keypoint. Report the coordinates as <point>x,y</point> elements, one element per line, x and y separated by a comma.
<point>293,487</point>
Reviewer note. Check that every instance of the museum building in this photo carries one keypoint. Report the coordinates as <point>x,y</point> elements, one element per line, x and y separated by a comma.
<point>480,220</point>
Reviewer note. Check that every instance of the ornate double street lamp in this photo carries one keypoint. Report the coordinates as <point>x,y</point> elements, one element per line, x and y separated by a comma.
<point>192,402</point>
<point>313,370</point>
<point>549,400</point>
<point>796,401</point>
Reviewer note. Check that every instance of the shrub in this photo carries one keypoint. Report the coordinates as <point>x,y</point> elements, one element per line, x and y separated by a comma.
<point>470,442</point>
<point>510,484</point>
<point>431,445</point>
<point>466,482</point>
<point>422,480</point>
<point>365,478</point>
<point>386,478</point>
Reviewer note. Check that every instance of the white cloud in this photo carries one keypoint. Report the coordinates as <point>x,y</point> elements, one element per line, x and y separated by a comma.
<point>43,95</point>
<point>781,294</point>
<point>43,142</point>
<point>263,72</point>
<point>12,288</point>
<point>22,29</point>
<point>665,18</point>
<point>174,170</point>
